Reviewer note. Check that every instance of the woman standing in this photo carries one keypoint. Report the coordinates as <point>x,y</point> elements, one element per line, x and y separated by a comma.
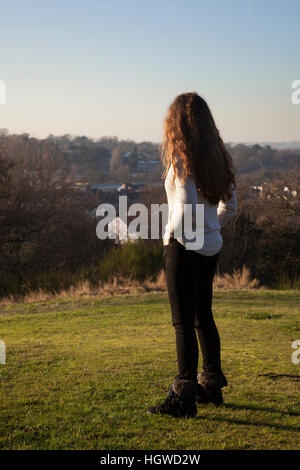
<point>198,170</point>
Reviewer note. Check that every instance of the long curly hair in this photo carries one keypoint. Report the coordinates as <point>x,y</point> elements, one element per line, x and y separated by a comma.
<point>191,134</point>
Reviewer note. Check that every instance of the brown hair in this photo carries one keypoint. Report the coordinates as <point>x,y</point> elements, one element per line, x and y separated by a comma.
<point>190,133</point>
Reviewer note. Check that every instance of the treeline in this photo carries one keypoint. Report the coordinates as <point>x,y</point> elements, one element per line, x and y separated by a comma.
<point>102,160</point>
<point>89,160</point>
<point>252,158</point>
<point>48,237</point>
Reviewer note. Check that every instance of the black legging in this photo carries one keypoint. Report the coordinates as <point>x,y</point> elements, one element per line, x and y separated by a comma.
<point>189,278</point>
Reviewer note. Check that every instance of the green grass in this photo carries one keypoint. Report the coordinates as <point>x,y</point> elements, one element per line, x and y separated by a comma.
<point>81,373</point>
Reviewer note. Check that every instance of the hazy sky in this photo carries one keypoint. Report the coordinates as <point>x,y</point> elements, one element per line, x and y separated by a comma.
<point>112,67</point>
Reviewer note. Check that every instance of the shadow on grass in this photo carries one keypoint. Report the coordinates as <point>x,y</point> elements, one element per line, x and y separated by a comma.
<point>273,376</point>
<point>259,408</point>
<point>243,422</point>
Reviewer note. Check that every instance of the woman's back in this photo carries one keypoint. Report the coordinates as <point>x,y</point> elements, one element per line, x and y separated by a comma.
<point>183,191</point>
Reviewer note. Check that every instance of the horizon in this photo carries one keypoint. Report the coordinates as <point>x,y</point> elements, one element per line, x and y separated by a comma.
<point>93,138</point>
<point>112,68</point>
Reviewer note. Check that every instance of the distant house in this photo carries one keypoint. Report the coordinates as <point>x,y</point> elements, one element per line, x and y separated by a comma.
<point>286,193</point>
<point>126,154</point>
<point>256,190</point>
<point>147,166</point>
<point>82,186</point>
<point>142,166</point>
<point>125,187</point>
<point>143,163</point>
<point>154,164</point>
<point>286,189</point>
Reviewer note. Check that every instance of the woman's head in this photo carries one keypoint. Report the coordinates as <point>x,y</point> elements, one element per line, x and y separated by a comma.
<point>190,133</point>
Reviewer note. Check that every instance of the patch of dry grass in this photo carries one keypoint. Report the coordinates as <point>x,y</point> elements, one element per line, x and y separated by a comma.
<point>240,279</point>
<point>117,285</point>
<point>121,285</point>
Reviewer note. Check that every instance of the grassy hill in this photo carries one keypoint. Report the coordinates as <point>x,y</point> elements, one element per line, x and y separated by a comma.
<point>80,374</point>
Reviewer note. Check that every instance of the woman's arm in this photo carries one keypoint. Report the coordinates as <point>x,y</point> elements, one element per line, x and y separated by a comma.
<point>227,209</point>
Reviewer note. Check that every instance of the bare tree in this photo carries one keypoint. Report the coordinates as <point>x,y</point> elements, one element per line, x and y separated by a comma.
<point>44,223</point>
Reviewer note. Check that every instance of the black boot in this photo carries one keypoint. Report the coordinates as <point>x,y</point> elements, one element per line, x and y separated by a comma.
<point>210,388</point>
<point>180,402</point>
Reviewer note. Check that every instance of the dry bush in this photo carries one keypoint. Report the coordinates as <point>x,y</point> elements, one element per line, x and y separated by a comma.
<point>240,279</point>
<point>159,284</point>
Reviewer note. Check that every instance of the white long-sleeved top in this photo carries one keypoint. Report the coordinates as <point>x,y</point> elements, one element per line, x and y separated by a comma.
<point>184,191</point>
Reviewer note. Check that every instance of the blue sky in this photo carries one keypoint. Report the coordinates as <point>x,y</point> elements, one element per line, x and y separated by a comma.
<point>112,67</point>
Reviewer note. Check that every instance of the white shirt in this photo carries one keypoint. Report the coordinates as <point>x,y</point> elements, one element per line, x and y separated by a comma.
<point>184,191</point>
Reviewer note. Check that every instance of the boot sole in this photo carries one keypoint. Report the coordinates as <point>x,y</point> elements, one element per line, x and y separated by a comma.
<point>215,399</point>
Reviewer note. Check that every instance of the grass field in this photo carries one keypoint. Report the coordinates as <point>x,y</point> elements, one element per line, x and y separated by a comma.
<point>80,374</point>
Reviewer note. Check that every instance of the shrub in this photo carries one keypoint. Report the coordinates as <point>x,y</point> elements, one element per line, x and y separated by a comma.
<point>138,259</point>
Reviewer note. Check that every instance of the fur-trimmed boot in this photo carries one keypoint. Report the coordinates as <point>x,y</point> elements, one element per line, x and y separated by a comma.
<point>210,388</point>
<point>180,402</point>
